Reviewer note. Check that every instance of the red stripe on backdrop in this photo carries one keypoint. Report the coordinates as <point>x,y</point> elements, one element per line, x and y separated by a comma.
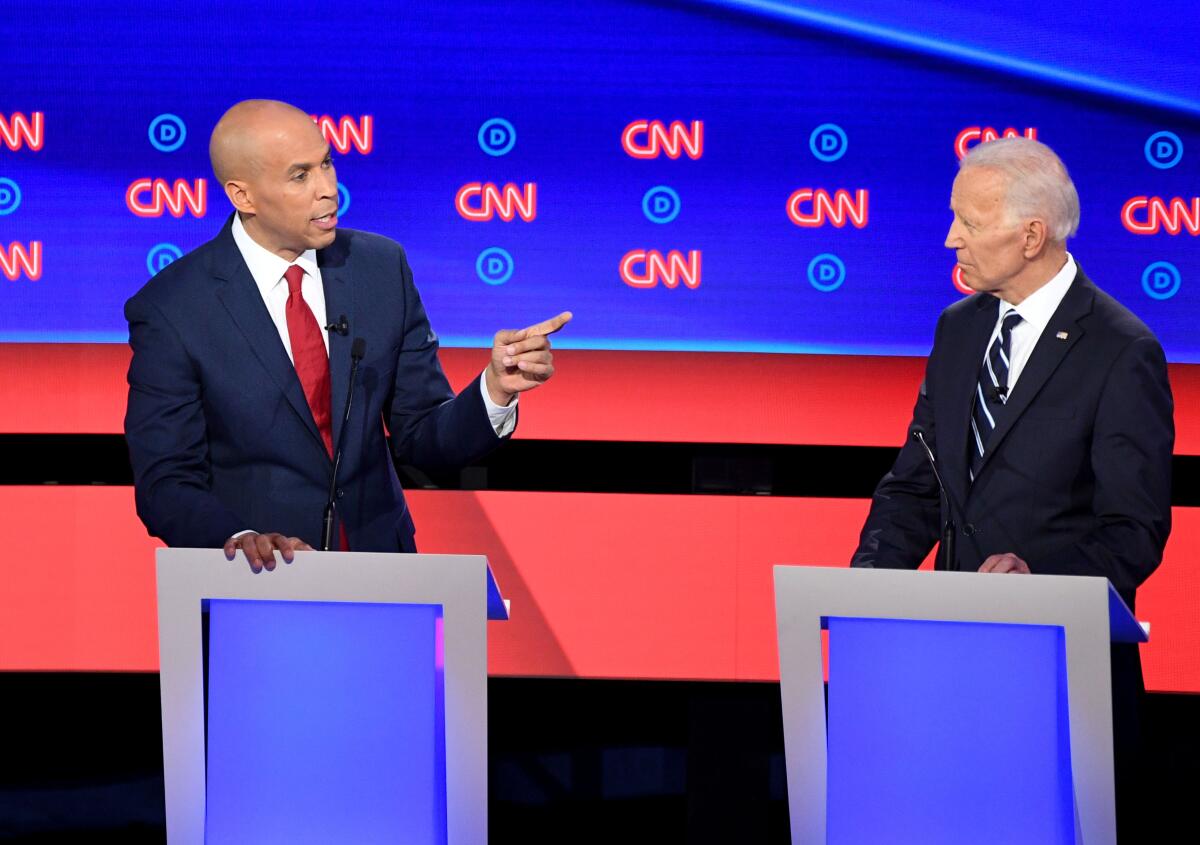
<point>596,395</point>
<point>78,582</point>
<point>615,586</point>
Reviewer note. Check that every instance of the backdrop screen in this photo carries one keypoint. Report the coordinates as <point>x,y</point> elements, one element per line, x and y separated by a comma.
<point>737,176</point>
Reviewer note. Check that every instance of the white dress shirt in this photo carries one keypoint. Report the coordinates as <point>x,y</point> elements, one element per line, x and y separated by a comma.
<point>1036,311</point>
<point>267,268</point>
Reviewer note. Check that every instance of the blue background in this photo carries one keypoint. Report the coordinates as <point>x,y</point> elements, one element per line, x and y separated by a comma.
<point>901,79</point>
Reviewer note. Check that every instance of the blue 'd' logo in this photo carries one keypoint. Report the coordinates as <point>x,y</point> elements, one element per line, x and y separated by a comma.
<point>497,136</point>
<point>1164,150</point>
<point>343,199</point>
<point>10,196</point>
<point>167,133</point>
<point>661,204</point>
<point>828,142</point>
<point>494,266</point>
<point>160,256</point>
<point>1161,280</point>
<point>826,272</point>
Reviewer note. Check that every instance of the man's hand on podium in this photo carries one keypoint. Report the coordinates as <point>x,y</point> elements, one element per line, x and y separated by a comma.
<point>260,549</point>
<point>1005,563</point>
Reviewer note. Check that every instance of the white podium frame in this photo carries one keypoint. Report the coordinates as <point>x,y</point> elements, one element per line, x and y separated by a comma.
<point>1080,605</point>
<point>459,583</point>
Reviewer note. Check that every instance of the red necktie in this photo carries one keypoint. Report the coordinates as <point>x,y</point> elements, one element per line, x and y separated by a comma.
<point>312,365</point>
<point>308,353</point>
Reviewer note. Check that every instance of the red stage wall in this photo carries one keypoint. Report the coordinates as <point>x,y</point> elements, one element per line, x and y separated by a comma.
<point>614,586</point>
<point>747,398</point>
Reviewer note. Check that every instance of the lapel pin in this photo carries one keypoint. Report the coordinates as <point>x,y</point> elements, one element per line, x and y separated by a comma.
<point>1061,335</point>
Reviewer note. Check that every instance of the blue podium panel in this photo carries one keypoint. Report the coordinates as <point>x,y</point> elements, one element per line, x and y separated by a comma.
<point>325,723</point>
<point>947,732</point>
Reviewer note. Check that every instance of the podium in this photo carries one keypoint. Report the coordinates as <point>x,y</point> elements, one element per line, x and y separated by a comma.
<point>962,707</point>
<point>342,697</point>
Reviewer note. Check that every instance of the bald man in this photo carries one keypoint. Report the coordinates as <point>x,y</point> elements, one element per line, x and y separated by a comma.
<point>242,360</point>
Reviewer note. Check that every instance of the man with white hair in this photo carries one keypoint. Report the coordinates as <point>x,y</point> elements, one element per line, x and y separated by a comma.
<point>1046,404</point>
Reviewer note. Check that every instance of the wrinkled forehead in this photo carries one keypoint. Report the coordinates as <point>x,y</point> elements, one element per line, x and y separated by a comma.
<point>981,187</point>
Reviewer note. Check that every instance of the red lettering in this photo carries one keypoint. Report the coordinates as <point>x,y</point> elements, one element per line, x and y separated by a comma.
<point>642,268</point>
<point>344,133</point>
<point>1174,216</point>
<point>174,199</point>
<point>972,135</point>
<point>652,138</point>
<point>19,259</point>
<point>814,207</point>
<point>481,201</point>
<point>18,130</point>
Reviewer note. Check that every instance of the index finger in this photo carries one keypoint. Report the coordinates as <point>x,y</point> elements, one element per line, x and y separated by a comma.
<point>549,326</point>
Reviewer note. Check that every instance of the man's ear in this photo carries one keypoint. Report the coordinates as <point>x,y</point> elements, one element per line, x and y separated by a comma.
<point>1035,237</point>
<point>239,194</point>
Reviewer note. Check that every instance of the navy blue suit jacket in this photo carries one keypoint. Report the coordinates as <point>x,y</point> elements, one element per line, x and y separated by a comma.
<point>1076,479</point>
<point>220,434</point>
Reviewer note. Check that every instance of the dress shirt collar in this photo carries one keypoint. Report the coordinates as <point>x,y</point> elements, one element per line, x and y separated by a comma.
<point>266,267</point>
<point>1037,308</point>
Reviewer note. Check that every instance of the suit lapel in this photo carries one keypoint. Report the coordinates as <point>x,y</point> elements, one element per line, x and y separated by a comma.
<point>339,301</point>
<point>240,297</point>
<point>1048,353</point>
<point>963,380</point>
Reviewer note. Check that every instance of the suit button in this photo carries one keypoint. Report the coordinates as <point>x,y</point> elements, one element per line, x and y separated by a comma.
<point>341,493</point>
<point>968,529</point>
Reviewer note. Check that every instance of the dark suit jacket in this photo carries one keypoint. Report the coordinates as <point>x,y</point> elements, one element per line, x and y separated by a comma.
<point>1076,479</point>
<point>219,432</point>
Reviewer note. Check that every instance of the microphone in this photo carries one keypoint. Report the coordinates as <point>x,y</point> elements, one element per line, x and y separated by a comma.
<point>950,562</point>
<point>996,394</point>
<point>342,326</point>
<point>949,532</point>
<point>357,350</point>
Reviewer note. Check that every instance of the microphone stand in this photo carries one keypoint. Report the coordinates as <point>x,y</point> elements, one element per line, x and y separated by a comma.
<point>357,350</point>
<point>949,530</point>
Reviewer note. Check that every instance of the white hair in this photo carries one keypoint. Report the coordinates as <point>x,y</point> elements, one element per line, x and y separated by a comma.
<point>1038,182</point>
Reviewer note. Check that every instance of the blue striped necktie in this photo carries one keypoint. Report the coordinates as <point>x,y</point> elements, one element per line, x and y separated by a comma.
<point>991,391</point>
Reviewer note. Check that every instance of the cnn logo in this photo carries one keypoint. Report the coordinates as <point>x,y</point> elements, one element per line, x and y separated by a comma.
<point>481,201</point>
<point>811,208</point>
<point>973,135</point>
<point>642,268</point>
<point>20,260</point>
<point>652,138</point>
<point>155,197</point>
<point>1150,215</point>
<point>345,134</point>
<point>17,130</point>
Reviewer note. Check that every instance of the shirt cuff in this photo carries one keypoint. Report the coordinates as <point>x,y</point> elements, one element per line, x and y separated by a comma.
<point>502,417</point>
